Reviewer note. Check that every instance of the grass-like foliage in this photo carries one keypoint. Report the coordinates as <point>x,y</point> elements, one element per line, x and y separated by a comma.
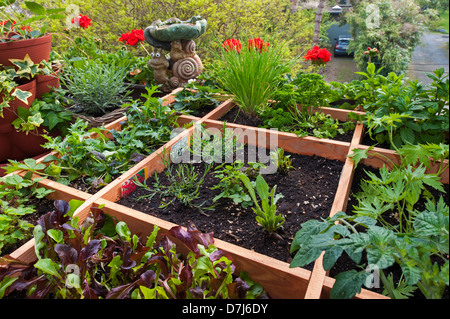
<point>96,87</point>
<point>250,74</point>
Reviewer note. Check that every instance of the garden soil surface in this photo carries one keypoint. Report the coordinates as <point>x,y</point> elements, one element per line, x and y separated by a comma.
<point>308,193</point>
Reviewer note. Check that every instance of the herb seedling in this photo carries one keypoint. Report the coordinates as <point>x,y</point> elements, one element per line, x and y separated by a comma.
<point>266,214</point>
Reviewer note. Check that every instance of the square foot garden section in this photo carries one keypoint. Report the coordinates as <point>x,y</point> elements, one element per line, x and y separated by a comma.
<point>308,191</point>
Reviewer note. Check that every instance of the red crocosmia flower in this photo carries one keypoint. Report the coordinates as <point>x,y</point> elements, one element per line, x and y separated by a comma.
<point>25,28</point>
<point>257,44</point>
<point>133,37</point>
<point>232,45</point>
<point>82,21</point>
<point>318,56</point>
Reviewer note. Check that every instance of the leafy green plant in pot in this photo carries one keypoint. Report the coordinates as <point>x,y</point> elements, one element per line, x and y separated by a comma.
<point>21,34</point>
<point>17,92</point>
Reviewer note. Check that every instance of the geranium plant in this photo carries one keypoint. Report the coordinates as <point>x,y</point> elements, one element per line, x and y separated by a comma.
<point>132,39</point>
<point>15,25</point>
<point>318,57</point>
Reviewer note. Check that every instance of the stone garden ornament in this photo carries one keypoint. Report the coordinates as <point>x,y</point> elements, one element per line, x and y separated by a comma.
<point>177,37</point>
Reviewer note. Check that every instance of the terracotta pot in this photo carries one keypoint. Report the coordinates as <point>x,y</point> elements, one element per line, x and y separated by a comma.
<point>38,49</point>
<point>46,82</point>
<point>6,129</point>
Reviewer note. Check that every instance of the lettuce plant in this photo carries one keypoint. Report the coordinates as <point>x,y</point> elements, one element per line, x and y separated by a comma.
<point>15,192</point>
<point>101,258</point>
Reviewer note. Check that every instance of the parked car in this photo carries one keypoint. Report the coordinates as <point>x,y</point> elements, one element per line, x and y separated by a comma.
<point>340,48</point>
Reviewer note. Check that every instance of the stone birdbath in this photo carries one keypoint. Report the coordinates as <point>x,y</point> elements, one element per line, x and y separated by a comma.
<point>177,37</point>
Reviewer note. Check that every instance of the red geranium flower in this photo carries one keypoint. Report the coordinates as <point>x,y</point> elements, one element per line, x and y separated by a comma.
<point>233,45</point>
<point>258,44</point>
<point>318,56</point>
<point>133,37</point>
<point>82,21</point>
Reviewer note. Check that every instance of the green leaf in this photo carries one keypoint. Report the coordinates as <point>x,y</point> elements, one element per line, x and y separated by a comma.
<point>407,135</point>
<point>359,154</point>
<point>331,256</point>
<point>348,284</point>
<point>22,95</point>
<point>431,224</point>
<point>6,282</point>
<point>36,8</point>
<point>56,235</point>
<point>49,267</point>
<point>123,230</point>
<point>305,256</point>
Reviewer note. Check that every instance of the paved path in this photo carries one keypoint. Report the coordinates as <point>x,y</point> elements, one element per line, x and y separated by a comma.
<point>428,56</point>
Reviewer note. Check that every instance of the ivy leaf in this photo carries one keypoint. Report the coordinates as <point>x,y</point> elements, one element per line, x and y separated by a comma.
<point>22,95</point>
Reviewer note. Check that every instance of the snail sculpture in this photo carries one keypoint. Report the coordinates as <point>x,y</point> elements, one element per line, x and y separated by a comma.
<point>181,64</point>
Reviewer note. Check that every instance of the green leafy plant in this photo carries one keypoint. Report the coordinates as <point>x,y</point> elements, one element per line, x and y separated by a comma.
<point>412,251</point>
<point>194,97</point>
<point>51,108</point>
<point>19,22</point>
<point>281,161</point>
<point>399,113</point>
<point>304,122</point>
<point>215,147</point>
<point>230,184</point>
<point>421,115</point>
<point>400,187</point>
<point>102,258</point>
<point>95,87</point>
<point>15,193</point>
<point>11,77</point>
<point>306,89</point>
<point>266,214</point>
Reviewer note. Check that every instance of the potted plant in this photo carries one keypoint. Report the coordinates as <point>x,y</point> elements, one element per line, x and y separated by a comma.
<point>17,37</point>
<point>17,92</point>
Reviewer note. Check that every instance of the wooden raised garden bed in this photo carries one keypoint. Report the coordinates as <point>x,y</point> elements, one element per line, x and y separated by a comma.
<point>279,280</point>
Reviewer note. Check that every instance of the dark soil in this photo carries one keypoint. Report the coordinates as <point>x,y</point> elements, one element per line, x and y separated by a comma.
<point>203,111</point>
<point>42,206</point>
<point>308,193</point>
<point>344,263</point>
<point>238,117</point>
